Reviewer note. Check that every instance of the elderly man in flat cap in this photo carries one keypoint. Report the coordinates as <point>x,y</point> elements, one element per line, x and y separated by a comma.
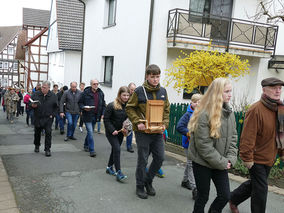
<point>261,139</point>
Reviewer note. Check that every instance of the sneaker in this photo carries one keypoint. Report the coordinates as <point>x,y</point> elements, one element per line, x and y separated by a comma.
<point>120,176</point>
<point>93,154</point>
<point>160,174</point>
<point>149,189</point>
<point>130,149</point>
<point>140,192</point>
<point>72,138</point>
<point>194,193</point>
<point>99,132</point>
<point>186,184</point>
<point>66,139</point>
<point>62,132</point>
<point>86,149</point>
<point>81,129</point>
<point>109,170</point>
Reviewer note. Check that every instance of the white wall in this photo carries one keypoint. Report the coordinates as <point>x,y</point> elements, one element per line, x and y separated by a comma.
<point>56,67</point>
<point>52,43</point>
<point>127,42</point>
<point>72,67</point>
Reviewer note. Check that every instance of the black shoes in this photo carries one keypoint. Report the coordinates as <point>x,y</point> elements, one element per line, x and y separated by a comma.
<point>72,138</point>
<point>194,193</point>
<point>62,132</point>
<point>93,154</point>
<point>130,149</point>
<point>149,189</point>
<point>36,149</point>
<point>186,184</point>
<point>47,153</point>
<point>86,149</point>
<point>140,192</point>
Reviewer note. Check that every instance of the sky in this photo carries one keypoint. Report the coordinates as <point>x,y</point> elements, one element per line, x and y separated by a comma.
<point>11,12</point>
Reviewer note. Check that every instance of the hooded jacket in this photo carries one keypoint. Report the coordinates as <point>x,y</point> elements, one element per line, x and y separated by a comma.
<point>211,152</point>
<point>87,99</point>
<point>136,106</point>
<point>182,126</point>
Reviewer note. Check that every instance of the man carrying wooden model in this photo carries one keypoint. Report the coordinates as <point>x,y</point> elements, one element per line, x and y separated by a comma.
<point>148,109</point>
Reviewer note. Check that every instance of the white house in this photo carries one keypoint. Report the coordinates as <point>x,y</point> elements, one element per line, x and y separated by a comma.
<point>64,42</point>
<point>121,37</point>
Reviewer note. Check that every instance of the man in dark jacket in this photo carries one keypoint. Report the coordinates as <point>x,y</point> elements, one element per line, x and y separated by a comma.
<point>45,109</point>
<point>261,139</point>
<point>92,103</point>
<point>70,98</point>
<point>61,121</point>
<point>147,142</point>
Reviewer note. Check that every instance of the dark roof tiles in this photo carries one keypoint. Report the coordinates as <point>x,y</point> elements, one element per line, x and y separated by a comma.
<point>35,17</point>
<point>7,34</point>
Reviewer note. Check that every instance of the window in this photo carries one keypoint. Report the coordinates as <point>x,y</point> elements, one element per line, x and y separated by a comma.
<point>213,12</point>
<point>10,50</point>
<point>108,70</point>
<point>1,64</point>
<point>111,12</point>
<point>15,66</point>
<point>5,65</point>
<point>188,95</point>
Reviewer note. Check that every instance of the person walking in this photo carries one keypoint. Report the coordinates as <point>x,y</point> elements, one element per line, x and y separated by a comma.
<point>148,143</point>
<point>81,87</point>
<point>29,110</point>
<point>213,150</point>
<point>188,181</point>
<point>114,117</point>
<point>129,148</point>
<point>11,99</point>
<point>61,120</point>
<point>19,102</point>
<point>92,104</point>
<point>70,100</point>
<point>262,137</point>
<point>45,108</point>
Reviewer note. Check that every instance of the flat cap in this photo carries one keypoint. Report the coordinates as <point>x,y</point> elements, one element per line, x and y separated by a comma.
<point>271,82</point>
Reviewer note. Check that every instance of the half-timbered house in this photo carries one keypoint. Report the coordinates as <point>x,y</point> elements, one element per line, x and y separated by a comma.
<point>8,63</point>
<point>32,47</point>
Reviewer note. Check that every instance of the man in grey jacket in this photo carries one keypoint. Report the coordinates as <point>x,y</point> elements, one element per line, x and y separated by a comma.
<point>69,103</point>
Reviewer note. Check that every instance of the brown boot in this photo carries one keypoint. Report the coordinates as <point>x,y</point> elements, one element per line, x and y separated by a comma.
<point>233,207</point>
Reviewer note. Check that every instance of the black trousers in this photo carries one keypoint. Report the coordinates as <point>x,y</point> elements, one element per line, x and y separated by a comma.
<point>203,176</point>
<point>146,144</point>
<point>37,134</point>
<point>115,142</point>
<point>256,188</point>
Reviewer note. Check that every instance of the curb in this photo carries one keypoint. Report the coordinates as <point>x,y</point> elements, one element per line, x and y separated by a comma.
<point>7,198</point>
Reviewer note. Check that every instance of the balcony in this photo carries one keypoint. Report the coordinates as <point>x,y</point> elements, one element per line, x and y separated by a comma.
<point>193,30</point>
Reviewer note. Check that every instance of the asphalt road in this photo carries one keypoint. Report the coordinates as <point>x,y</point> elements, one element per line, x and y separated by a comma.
<point>71,181</point>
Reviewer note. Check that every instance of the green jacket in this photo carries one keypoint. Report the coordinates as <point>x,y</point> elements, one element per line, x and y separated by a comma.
<point>211,152</point>
<point>136,106</point>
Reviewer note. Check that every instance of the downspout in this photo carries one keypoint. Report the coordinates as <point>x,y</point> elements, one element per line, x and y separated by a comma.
<point>83,37</point>
<point>150,32</point>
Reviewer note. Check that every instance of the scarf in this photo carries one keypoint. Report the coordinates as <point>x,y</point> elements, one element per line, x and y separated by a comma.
<point>278,107</point>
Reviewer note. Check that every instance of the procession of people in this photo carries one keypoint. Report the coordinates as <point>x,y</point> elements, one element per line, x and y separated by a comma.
<point>208,128</point>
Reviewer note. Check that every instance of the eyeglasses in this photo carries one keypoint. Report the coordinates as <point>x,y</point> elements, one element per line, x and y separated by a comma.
<point>95,83</point>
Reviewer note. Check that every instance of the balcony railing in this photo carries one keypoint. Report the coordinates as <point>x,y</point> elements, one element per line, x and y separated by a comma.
<point>224,31</point>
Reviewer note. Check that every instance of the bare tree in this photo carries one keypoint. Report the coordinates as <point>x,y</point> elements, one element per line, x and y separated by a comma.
<point>272,9</point>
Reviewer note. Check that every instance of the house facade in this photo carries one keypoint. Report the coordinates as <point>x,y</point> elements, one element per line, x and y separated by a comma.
<point>120,38</point>
<point>64,44</point>
<point>9,65</point>
<point>31,48</point>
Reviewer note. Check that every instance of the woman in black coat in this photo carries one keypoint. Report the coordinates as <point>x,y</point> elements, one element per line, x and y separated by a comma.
<point>114,117</point>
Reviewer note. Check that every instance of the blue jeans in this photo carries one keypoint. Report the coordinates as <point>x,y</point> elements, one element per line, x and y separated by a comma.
<point>129,141</point>
<point>60,122</point>
<point>72,123</point>
<point>89,140</point>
